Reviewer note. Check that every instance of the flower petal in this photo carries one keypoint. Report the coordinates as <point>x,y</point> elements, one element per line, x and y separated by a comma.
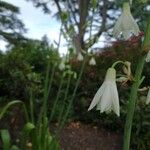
<point>147,59</point>
<point>126,23</point>
<point>97,97</point>
<point>115,99</point>
<point>106,102</point>
<point>117,27</point>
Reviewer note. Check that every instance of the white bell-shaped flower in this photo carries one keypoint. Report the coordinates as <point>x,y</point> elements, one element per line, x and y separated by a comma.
<point>92,61</point>
<point>80,57</point>
<point>107,98</point>
<point>61,66</point>
<point>126,23</point>
<point>148,97</point>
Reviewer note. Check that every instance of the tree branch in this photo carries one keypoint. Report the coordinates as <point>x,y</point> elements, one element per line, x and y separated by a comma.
<point>103,26</point>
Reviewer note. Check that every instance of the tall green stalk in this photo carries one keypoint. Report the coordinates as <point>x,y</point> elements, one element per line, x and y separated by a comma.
<point>73,95</point>
<point>65,98</point>
<point>134,92</point>
<point>57,98</point>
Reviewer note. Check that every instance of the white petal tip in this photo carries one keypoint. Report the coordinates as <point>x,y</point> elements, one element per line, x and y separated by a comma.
<point>89,108</point>
<point>118,115</point>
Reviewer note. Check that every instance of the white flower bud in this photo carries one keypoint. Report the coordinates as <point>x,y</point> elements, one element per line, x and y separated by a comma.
<point>92,61</point>
<point>80,57</point>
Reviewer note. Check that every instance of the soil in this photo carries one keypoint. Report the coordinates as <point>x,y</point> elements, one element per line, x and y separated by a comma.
<point>78,136</point>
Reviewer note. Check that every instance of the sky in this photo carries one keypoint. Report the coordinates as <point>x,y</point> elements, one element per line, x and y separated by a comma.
<point>37,23</point>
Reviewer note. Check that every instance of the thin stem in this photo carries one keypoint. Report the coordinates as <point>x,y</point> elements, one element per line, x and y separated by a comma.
<point>26,112</point>
<point>57,98</point>
<point>65,98</point>
<point>116,63</point>
<point>73,95</point>
<point>42,112</point>
<point>146,43</point>
<point>49,86</point>
<point>31,106</point>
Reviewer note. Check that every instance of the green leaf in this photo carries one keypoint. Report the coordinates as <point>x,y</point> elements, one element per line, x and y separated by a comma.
<point>54,144</point>
<point>5,139</point>
<point>28,128</point>
<point>7,106</point>
<point>14,147</point>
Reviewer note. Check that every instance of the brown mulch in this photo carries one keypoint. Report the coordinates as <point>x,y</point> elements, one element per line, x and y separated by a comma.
<point>78,136</point>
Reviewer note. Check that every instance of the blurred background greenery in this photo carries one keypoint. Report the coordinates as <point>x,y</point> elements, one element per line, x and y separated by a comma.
<point>23,66</point>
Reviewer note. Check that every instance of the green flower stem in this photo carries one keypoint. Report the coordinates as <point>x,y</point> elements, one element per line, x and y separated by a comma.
<point>73,95</point>
<point>134,91</point>
<point>49,87</point>
<point>43,108</point>
<point>116,63</point>
<point>65,98</point>
<point>31,107</point>
<point>132,103</point>
<point>146,43</point>
<point>57,98</point>
<point>43,113</point>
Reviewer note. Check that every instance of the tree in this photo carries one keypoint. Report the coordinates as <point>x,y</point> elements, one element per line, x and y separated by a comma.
<point>84,21</point>
<point>80,17</point>
<point>11,28</point>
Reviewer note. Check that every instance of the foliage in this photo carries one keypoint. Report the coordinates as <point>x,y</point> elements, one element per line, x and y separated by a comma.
<point>6,141</point>
<point>36,133</point>
<point>11,28</point>
<point>26,66</point>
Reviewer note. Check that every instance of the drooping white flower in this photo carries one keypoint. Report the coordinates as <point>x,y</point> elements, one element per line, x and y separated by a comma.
<point>147,59</point>
<point>126,23</point>
<point>92,61</point>
<point>80,57</point>
<point>107,98</point>
<point>148,97</point>
<point>61,66</point>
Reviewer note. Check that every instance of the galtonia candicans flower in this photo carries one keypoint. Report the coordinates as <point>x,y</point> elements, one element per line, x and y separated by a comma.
<point>79,57</point>
<point>92,61</point>
<point>126,23</point>
<point>106,98</point>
